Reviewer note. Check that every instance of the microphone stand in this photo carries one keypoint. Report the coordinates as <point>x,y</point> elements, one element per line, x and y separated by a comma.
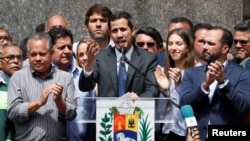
<point>123,55</point>
<point>161,91</point>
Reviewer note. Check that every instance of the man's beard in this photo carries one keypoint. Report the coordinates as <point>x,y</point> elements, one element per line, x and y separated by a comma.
<point>210,57</point>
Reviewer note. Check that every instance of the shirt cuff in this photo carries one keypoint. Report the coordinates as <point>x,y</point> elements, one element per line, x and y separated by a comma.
<point>222,85</point>
<point>204,91</point>
<point>87,74</point>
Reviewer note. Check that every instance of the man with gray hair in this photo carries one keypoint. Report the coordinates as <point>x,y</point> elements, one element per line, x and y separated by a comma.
<point>11,62</point>
<point>5,37</point>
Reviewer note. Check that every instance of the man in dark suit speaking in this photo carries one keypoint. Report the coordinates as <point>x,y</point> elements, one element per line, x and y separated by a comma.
<point>104,67</point>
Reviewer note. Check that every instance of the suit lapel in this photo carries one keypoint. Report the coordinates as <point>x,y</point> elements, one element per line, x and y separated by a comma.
<point>135,59</point>
<point>112,64</point>
<point>228,69</point>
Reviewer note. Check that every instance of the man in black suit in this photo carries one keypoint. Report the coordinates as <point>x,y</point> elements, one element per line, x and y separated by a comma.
<point>102,66</point>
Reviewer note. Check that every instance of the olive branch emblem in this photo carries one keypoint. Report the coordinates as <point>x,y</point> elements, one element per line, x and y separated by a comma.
<point>107,121</point>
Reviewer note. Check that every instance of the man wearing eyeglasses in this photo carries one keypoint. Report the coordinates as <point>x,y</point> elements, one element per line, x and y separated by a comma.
<point>242,43</point>
<point>5,37</point>
<point>149,39</point>
<point>11,61</point>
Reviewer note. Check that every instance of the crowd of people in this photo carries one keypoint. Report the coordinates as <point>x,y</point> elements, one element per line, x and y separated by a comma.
<point>48,81</point>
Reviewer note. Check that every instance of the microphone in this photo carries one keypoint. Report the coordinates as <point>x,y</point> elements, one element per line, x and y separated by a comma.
<point>188,113</point>
<point>123,54</point>
<point>161,91</point>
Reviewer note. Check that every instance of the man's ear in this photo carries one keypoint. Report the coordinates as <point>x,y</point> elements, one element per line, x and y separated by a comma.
<point>160,48</point>
<point>86,27</point>
<point>225,49</point>
<point>133,31</point>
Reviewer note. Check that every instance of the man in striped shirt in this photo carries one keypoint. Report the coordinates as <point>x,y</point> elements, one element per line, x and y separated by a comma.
<point>41,99</point>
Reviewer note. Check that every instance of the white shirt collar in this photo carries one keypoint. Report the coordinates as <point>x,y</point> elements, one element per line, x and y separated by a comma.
<point>119,54</point>
<point>111,43</point>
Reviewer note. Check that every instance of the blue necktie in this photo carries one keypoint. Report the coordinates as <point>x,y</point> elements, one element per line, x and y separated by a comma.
<point>122,76</point>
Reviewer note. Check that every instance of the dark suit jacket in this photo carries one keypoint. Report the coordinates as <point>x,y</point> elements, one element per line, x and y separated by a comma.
<point>105,74</point>
<point>228,104</point>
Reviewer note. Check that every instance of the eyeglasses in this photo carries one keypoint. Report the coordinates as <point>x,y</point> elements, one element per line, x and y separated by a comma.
<point>7,38</point>
<point>12,57</point>
<point>149,44</point>
<point>242,42</point>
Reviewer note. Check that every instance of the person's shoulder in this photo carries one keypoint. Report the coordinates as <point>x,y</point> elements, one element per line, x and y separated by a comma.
<point>62,73</point>
<point>247,65</point>
<point>21,74</point>
<point>22,71</point>
<point>1,73</point>
<point>235,66</point>
<point>106,52</point>
<point>1,77</point>
<point>196,68</point>
<point>238,70</point>
<point>144,52</point>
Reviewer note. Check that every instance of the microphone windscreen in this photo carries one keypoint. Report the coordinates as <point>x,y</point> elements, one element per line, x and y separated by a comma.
<point>187,111</point>
<point>188,114</point>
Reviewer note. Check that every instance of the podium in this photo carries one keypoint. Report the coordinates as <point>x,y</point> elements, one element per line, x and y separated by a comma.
<point>122,119</point>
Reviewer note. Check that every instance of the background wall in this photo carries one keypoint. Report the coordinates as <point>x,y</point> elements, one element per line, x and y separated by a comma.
<point>22,16</point>
<point>246,9</point>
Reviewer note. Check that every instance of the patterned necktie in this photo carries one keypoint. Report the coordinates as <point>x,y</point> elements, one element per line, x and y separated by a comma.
<point>122,76</point>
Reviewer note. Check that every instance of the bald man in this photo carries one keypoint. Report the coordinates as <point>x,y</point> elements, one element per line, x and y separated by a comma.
<point>56,21</point>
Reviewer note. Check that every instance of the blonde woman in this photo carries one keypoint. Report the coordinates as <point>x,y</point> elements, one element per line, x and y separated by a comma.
<point>81,56</point>
<point>79,130</point>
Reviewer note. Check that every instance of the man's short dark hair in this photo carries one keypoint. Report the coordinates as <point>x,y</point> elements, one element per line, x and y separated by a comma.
<point>200,26</point>
<point>23,46</point>
<point>152,32</point>
<point>181,20</point>
<point>227,36</point>
<point>56,33</point>
<point>99,9</point>
<point>40,28</point>
<point>243,26</point>
<point>122,14</point>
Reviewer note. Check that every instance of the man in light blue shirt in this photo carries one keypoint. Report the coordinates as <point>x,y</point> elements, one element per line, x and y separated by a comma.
<point>63,59</point>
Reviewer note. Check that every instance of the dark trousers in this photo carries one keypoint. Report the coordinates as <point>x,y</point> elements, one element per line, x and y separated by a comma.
<point>91,132</point>
<point>172,137</point>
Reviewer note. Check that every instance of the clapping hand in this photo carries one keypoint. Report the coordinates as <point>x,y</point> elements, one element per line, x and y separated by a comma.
<point>161,78</point>
<point>175,74</point>
<point>57,91</point>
